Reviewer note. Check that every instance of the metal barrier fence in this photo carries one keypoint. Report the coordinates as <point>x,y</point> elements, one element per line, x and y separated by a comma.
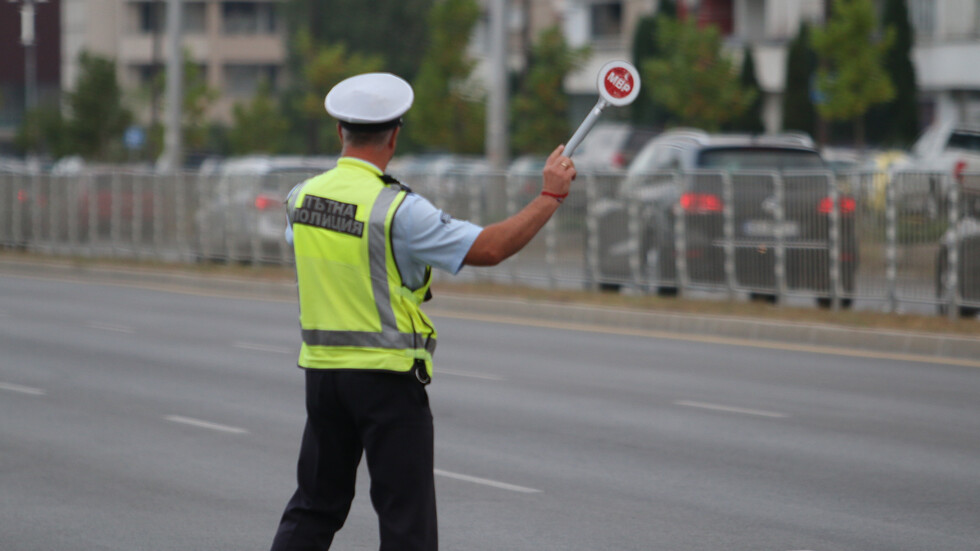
<point>889,240</point>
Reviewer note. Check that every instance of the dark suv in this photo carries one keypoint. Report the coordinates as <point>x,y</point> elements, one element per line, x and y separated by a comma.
<point>691,200</point>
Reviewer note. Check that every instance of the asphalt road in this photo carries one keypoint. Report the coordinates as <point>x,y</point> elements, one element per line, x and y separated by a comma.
<point>141,419</point>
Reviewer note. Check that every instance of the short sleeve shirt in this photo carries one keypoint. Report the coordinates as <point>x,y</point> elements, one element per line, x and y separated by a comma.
<point>423,235</point>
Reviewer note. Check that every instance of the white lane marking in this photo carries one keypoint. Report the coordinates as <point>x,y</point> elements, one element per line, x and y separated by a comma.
<point>204,424</point>
<point>454,373</point>
<point>486,482</point>
<point>22,389</point>
<point>110,327</point>
<point>263,347</point>
<point>729,409</point>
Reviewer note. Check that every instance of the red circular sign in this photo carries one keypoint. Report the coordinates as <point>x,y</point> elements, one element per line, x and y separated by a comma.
<point>618,82</point>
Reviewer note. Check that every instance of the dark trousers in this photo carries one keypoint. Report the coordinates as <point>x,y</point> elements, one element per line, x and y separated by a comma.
<point>387,416</point>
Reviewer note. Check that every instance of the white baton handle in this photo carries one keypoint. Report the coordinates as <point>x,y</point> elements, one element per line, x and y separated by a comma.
<point>585,127</point>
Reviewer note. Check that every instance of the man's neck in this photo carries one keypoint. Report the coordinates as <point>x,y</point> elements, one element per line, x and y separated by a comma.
<point>377,158</point>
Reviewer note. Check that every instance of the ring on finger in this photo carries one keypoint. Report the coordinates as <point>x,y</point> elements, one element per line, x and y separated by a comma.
<point>563,164</point>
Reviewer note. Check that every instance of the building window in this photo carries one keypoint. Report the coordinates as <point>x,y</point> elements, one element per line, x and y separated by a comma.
<point>151,17</point>
<point>149,74</point>
<point>248,18</point>
<point>719,14</point>
<point>194,18</point>
<point>243,80</point>
<point>607,20</point>
<point>144,74</point>
<point>922,16</point>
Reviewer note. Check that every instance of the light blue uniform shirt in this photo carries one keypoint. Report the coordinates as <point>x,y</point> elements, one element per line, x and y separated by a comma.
<point>423,235</point>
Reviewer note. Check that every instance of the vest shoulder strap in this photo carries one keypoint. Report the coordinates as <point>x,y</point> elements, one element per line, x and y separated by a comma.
<point>390,180</point>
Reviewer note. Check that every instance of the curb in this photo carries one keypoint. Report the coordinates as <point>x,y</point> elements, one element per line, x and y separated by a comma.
<point>220,285</point>
<point>817,335</point>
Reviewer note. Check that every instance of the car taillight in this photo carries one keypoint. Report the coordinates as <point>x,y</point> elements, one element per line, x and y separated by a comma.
<point>701,203</point>
<point>847,205</point>
<point>22,196</point>
<point>263,202</point>
<point>619,160</point>
<point>958,169</point>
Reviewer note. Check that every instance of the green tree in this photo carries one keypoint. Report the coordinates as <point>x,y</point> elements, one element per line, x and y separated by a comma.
<point>645,111</point>
<point>852,76</point>
<point>799,113</point>
<point>259,126</point>
<point>449,113</point>
<point>693,78</point>
<point>391,34</point>
<point>539,110</point>
<point>751,119</point>
<point>43,131</point>
<point>322,68</point>
<point>198,98</point>
<point>97,117</point>
<point>897,122</point>
<point>392,30</point>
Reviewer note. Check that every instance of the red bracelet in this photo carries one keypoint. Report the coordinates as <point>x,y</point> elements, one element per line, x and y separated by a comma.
<point>556,196</point>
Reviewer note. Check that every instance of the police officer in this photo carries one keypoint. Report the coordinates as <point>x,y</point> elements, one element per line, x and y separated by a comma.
<point>365,246</point>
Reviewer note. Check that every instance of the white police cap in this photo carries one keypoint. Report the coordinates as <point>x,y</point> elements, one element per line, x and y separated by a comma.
<point>372,99</point>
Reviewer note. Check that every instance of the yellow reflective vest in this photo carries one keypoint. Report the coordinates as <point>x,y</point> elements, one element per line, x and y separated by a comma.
<point>355,311</point>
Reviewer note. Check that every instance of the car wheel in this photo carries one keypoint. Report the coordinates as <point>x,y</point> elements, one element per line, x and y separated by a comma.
<point>940,285</point>
<point>827,302</point>
<point>764,297</point>
<point>607,287</point>
<point>664,291</point>
<point>941,306</point>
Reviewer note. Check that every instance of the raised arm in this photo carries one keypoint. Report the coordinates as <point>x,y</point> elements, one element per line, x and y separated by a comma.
<point>499,241</point>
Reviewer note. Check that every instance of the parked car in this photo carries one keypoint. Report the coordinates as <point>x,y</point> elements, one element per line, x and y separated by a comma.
<point>948,146</point>
<point>968,261</point>
<point>118,202</point>
<point>610,147</point>
<point>18,202</point>
<point>681,173</point>
<point>241,215</point>
<point>79,200</point>
<point>947,152</point>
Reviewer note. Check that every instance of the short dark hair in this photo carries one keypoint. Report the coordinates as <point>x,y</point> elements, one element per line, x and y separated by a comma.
<point>364,138</point>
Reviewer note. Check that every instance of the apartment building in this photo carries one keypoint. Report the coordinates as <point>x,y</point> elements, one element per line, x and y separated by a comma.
<point>947,57</point>
<point>605,25</point>
<point>13,60</point>
<point>946,54</point>
<point>239,43</point>
<point>236,44</point>
<point>766,28</point>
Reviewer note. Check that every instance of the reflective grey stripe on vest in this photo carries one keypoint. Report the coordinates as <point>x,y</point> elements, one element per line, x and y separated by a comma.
<point>390,336</point>
<point>365,339</point>
<point>377,246</point>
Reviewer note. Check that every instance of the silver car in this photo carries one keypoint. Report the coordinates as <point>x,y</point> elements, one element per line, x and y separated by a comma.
<point>241,217</point>
<point>665,225</point>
